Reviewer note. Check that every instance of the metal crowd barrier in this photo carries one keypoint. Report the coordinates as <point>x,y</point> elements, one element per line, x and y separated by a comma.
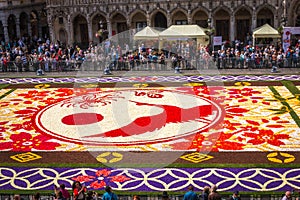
<point>165,65</point>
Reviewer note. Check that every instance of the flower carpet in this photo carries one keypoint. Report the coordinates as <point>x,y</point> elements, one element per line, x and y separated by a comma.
<point>148,134</point>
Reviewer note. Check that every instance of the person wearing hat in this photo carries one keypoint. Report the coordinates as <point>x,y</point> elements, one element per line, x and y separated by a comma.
<point>235,196</point>
<point>109,194</point>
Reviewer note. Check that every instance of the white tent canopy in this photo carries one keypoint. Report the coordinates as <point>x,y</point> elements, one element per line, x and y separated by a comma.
<point>147,33</point>
<point>265,31</point>
<point>183,31</point>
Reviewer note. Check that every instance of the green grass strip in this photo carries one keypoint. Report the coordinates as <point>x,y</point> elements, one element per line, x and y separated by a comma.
<point>285,103</point>
<point>292,88</point>
<point>2,86</point>
<point>7,93</point>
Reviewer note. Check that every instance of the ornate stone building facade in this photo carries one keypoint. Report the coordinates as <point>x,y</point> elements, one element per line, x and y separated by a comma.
<point>77,21</point>
<point>22,18</point>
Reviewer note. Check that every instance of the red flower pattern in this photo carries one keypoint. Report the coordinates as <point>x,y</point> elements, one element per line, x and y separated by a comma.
<point>101,177</point>
<point>232,111</point>
<point>26,142</point>
<point>199,142</point>
<point>241,93</point>
<point>203,90</point>
<point>26,113</point>
<point>83,178</point>
<point>35,95</point>
<point>266,136</point>
<point>213,142</point>
<point>63,92</point>
<point>2,128</point>
<point>27,125</point>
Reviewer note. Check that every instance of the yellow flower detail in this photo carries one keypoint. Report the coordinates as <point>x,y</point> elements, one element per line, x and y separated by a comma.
<point>42,86</point>
<point>281,157</point>
<point>193,84</point>
<point>140,85</point>
<point>242,84</point>
<point>89,85</point>
<point>109,157</point>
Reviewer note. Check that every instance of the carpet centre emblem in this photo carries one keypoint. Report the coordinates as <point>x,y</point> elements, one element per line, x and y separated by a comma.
<point>128,117</point>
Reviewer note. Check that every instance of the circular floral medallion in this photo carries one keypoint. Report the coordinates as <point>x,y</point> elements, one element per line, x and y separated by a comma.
<point>128,117</point>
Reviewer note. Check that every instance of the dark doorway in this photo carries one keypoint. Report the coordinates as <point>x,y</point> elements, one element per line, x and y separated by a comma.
<point>242,28</point>
<point>160,20</point>
<point>222,29</point>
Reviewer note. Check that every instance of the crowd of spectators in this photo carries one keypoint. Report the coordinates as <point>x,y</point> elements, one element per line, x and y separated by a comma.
<point>79,192</point>
<point>24,55</point>
<point>266,56</point>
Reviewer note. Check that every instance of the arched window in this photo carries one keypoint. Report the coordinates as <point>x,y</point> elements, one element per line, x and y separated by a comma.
<point>160,20</point>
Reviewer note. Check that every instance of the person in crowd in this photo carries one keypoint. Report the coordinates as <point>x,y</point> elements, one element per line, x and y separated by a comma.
<point>37,196</point>
<point>90,195</point>
<point>205,193</point>
<point>136,197</point>
<point>17,197</point>
<point>59,195</point>
<point>287,195</point>
<point>78,191</point>
<point>214,194</point>
<point>235,196</point>
<point>62,188</point>
<point>190,194</point>
<point>165,196</point>
<point>109,194</point>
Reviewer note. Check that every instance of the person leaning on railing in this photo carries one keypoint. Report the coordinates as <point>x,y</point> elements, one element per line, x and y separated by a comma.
<point>18,63</point>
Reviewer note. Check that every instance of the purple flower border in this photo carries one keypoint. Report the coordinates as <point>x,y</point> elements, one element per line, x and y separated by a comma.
<point>151,180</point>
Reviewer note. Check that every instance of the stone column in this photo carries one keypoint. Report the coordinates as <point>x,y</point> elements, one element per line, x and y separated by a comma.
<point>232,27</point>
<point>29,28</point>
<point>51,32</point>
<point>90,29</point>
<point>169,20</point>
<point>148,19</point>
<point>128,22</point>
<point>70,31</point>
<point>189,17</point>
<point>109,28</point>
<point>49,20</point>
<point>18,32</point>
<point>212,23</point>
<point>40,30</point>
<point>5,27</point>
<point>254,22</point>
<point>69,34</point>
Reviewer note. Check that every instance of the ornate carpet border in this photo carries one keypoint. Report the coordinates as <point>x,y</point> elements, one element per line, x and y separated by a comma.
<point>150,79</point>
<point>149,179</point>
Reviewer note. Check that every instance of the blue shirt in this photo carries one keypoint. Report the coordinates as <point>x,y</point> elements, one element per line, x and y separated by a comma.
<point>109,196</point>
<point>190,195</point>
